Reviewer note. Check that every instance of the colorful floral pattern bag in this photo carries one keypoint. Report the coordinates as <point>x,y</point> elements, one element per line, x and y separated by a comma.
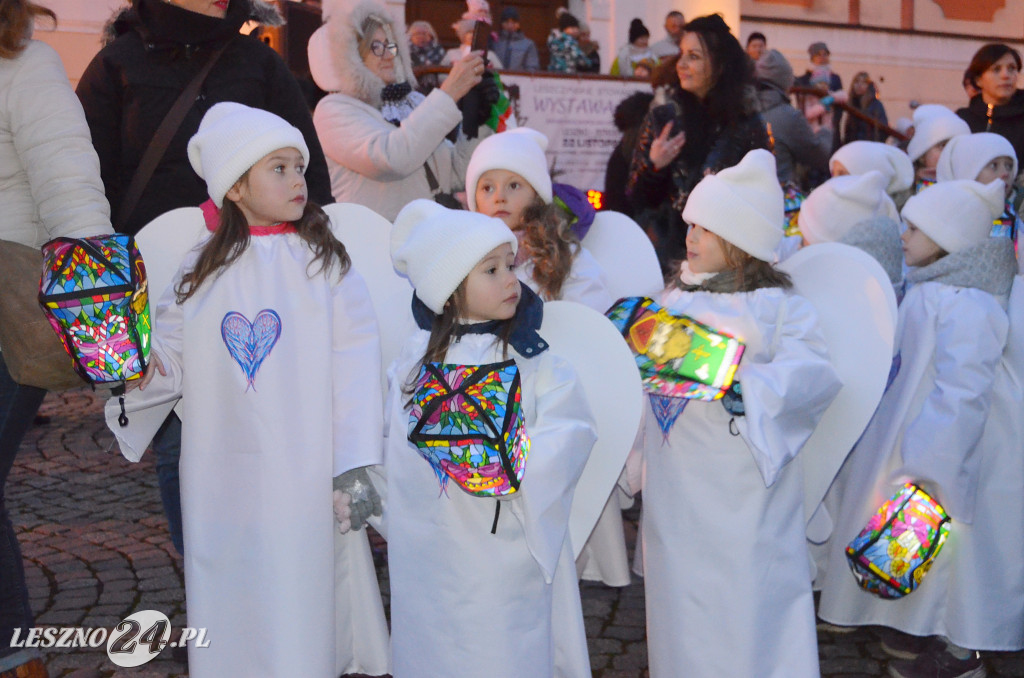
<point>467,422</point>
<point>896,549</point>
<point>678,357</point>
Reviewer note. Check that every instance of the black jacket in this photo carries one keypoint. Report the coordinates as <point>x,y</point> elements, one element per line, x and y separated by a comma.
<point>132,83</point>
<point>1007,120</point>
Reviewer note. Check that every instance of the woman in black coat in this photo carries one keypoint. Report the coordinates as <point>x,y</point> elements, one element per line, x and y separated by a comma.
<point>999,107</point>
<point>710,122</point>
<point>132,83</point>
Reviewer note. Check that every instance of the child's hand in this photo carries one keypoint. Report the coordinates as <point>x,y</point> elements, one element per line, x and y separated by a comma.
<point>343,511</point>
<point>147,376</point>
<point>358,499</point>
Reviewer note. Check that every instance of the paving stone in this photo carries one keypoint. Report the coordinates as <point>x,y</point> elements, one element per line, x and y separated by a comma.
<point>96,549</point>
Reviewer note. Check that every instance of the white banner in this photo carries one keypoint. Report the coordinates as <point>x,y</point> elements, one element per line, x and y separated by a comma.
<point>576,115</point>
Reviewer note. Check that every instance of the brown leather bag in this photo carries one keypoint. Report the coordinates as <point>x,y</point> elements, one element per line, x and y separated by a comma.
<point>31,349</point>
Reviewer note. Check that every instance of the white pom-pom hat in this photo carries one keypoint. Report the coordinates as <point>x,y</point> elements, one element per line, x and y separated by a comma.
<point>232,138</point>
<point>839,204</point>
<point>519,150</point>
<point>437,247</point>
<point>742,204</point>
<point>956,214</point>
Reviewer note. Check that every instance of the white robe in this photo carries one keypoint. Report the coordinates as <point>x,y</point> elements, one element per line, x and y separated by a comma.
<point>604,557</point>
<point>725,556</point>
<point>952,420</point>
<point>263,572</point>
<point>465,602</point>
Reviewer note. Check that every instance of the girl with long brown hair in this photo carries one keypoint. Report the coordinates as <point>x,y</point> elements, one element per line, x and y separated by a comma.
<point>271,341</point>
<point>719,475</point>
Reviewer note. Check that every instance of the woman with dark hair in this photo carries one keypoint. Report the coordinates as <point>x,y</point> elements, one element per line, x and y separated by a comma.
<point>999,108</point>
<point>864,98</point>
<point>49,186</point>
<point>710,123</point>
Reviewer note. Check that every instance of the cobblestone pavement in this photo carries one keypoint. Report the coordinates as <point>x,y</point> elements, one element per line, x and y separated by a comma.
<point>96,549</point>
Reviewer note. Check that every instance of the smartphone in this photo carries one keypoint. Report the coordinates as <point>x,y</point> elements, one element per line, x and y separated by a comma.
<point>481,38</point>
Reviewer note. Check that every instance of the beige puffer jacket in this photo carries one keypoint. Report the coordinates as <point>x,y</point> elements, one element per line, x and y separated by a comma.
<point>49,174</point>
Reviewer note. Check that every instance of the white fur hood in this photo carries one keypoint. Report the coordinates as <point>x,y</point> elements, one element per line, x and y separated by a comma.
<point>334,52</point>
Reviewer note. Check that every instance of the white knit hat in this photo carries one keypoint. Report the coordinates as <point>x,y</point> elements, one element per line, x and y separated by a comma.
<point>519,150</point>
<point>232,138</point>
<point>438,247</point>
<point>742,204</point>
<point>839,204</point>
<point>956,214</point>
<point>965,156</point>
<point>860,157</point>
<point>933,124</point>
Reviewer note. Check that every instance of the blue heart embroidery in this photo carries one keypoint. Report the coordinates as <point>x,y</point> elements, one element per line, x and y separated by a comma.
<point>249,343</point>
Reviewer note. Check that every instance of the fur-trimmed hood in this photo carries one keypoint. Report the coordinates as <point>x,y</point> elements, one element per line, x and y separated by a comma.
<point>334,60</point>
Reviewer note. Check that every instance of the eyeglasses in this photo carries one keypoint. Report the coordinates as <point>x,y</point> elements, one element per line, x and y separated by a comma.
<point>378,48</point>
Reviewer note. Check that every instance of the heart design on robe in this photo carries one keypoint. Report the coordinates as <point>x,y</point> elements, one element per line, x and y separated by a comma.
<point>249,343</point>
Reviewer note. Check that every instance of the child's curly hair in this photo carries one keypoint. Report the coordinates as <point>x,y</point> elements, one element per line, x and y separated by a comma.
<point>551,245</point>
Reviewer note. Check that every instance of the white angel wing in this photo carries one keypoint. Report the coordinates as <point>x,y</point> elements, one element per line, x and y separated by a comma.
<point>625,254</point>
<point>857,312</point>
<point>607,370</point>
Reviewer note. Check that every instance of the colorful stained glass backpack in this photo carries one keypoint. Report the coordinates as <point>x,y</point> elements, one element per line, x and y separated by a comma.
<point>896,549</point>
<point>94,293</point>
<point>678,357</point>
<point>467,422</point>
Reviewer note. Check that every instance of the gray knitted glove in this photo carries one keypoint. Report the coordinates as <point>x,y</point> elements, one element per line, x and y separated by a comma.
<point>355,492</point>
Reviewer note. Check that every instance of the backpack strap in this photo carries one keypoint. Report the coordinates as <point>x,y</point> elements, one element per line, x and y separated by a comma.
<point>162,139</point>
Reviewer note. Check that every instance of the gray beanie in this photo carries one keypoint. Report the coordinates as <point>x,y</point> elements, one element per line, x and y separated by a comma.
<point>774,69</point>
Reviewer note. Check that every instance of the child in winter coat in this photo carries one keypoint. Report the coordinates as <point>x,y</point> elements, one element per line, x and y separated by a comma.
<point>508,178</point>
<point>950,422</point>
<point>934,125</point>
<point>725,556</point>
<point>270,340</point>
<point>479,563</point>
<point>985,156</point>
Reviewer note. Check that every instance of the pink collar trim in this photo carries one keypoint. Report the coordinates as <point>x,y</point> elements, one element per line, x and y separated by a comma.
<point>211,215</point>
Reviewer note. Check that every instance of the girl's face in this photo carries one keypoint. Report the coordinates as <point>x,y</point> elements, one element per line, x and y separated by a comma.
<point>860,86</point>
<point>504,194</point>
<point>383,66</point>
<point>1000,168</point>
<point>642,42</point>
<point>274,190</point>
<point>928,162</point>
<point>999,81</point>
<point>214,8</point>
<point>420,36</point>
<point>839,169</point>
<point>694,66</point>
<point>492,288</point>
<point>918,248</point>
<point>704,251</point>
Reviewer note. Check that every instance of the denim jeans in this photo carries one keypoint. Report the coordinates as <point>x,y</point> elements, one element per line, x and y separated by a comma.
<point>167,446</point>
<point>18,406</point>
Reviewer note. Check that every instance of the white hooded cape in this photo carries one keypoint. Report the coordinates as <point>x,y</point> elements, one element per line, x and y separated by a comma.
<point>280,592</point>
<point>725,557</point>
<point>465,602</point>
<point>951,420</point>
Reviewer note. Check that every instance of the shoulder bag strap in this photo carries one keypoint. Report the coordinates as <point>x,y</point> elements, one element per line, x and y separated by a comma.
<point>162,139</point>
